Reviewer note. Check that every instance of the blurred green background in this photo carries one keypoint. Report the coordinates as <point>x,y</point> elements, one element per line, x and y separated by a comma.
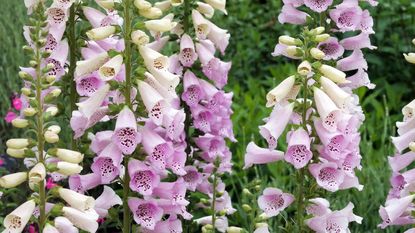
<point>254,28</point>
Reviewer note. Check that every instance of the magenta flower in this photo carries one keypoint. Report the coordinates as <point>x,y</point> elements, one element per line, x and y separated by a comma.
<point>10,116</point>
<point>17,103</point>
<point>143,178</point>
<point>50,184</point>
<point>146,212</point>
<point>273,201</point>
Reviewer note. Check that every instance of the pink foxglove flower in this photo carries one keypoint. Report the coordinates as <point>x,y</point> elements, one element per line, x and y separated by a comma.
<point>146,213</point>
<point>273,201</point>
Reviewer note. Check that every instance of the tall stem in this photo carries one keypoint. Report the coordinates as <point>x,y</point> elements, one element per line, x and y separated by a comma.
<point>40,137</point>
<point>215,184</point>
<point>72,65</point>
<point>127,95</point>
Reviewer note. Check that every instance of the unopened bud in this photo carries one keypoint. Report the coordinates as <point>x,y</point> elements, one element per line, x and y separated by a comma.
<point>151,13</point>
<point>317,31</point>
<point>51,137</point>
<point>56,92</point>
<point>288,40</point>
<point>50,78</point>
<point>234,230</point>
<point>142,4</point>
<point>26,91</point>
<point>412,146</point>
<point>263,217</point>
<point>317,53</point>
<point>37,173</point>
<point>322,37</point>
<point>13,180</point>
<point>52,110</point>
<point>16,153</point>
<point>246,191</point>
<point>410,57</point>
<point>20,123</point>
<point>139,37</point>
<point>24,75</point>
<point>292,50</point>
<point>50,66</point>
<point>29,111</point>
<point>33,63</point>
<point>54,128</point>
<point>261,224</point>
<point>247,208</point>
<point>17,143</point>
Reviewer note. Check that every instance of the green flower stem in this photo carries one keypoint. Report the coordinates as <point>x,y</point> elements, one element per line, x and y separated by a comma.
<point>127,94</point>
<point>39,123</point>
<point>72,65</point>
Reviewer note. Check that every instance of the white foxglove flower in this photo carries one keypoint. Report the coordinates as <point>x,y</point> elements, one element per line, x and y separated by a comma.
<point>161,25</point>
<point>330,114</point>
<point>69,155</point>
<point>53,110</point>
<point>68,169</point>
<point>51,137</point>
<point>17,143</point>
<point>50,229</point>
<point>82,220</point>
<point>101,32</point>
<point>280,92</point>
<point>142,4</point>
<point>37,173</point>
<point>200,24</point>
<point>288,40</point>
<point>408,111</point>
<point>333,74</point>
<point>13,180</point>
<point>218,4</point>
<point>139,37</point>
<point>304,68</point>
<point>77,200</point>
<point>110,69</point>
<point>338,95</point>
<point>16,221</point>
<point>163,5</point>
<point>176,2</point>
<point>107,4</point>
<point>54,128</point>
<point>206,9</point>
<point>151,13</point>
<point>90,65</point>
<point>64,225</point>
<point>317,53</point>
<point>410,57</point>
<point>153,59</point>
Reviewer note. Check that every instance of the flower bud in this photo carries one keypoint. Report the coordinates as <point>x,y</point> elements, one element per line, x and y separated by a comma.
<point>205,9</point>
<point>50,66</point>
<point>77,200</point>
<point>107,4</point>
<point>176,2</point>
<point>24,75</point>
<point>51,137</point>
<point>55,129</point>
<point>333,74</point>
<point>142,4</point>
<point>29,111</point>
<point>16,153</point>
<point>261,224</point>
<point>246,191</point>
<point>68,169</point>
<point>234,230</point>
<point>101,32</point>
<point>288,40</point>
<point>33,63</point>
<point>160,25</point>
<point>317,30</point>
<point>293,50</point>
<point>139,37</point>
<point>26,91</point>
<point>151,13</point>
<point>37,173</point>
<point>164,5</point>
<point>50,78</point>
<point>56,92</point>
<point>67,155</point>
<point>322,37</point>
<point>17,143</point>
<point>13,180</point>
<point>218,5</point>
<point>317,53</point>
<point>247,208</point>
<point>412,146</point>
<point>263,217</point>
<point>304,68</point>
<point>410,57</point>
<point>52,110</point>
<point>20,123</point>
<point>413,41</point>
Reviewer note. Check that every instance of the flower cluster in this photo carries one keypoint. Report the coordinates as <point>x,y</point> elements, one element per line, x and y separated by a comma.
<point>48,52</point>
<point>399,204</point>
<point>145,151</point>
<point>317,107</point>
<point>208,108</point>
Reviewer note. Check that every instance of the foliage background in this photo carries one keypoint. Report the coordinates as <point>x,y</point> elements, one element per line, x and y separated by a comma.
<point>255,30</point>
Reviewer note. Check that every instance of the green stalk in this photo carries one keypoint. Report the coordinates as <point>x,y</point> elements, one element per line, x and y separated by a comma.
<point>127,95</point>
<point>72,65</point>
<point>215,184</point>
<point>40,131</point>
